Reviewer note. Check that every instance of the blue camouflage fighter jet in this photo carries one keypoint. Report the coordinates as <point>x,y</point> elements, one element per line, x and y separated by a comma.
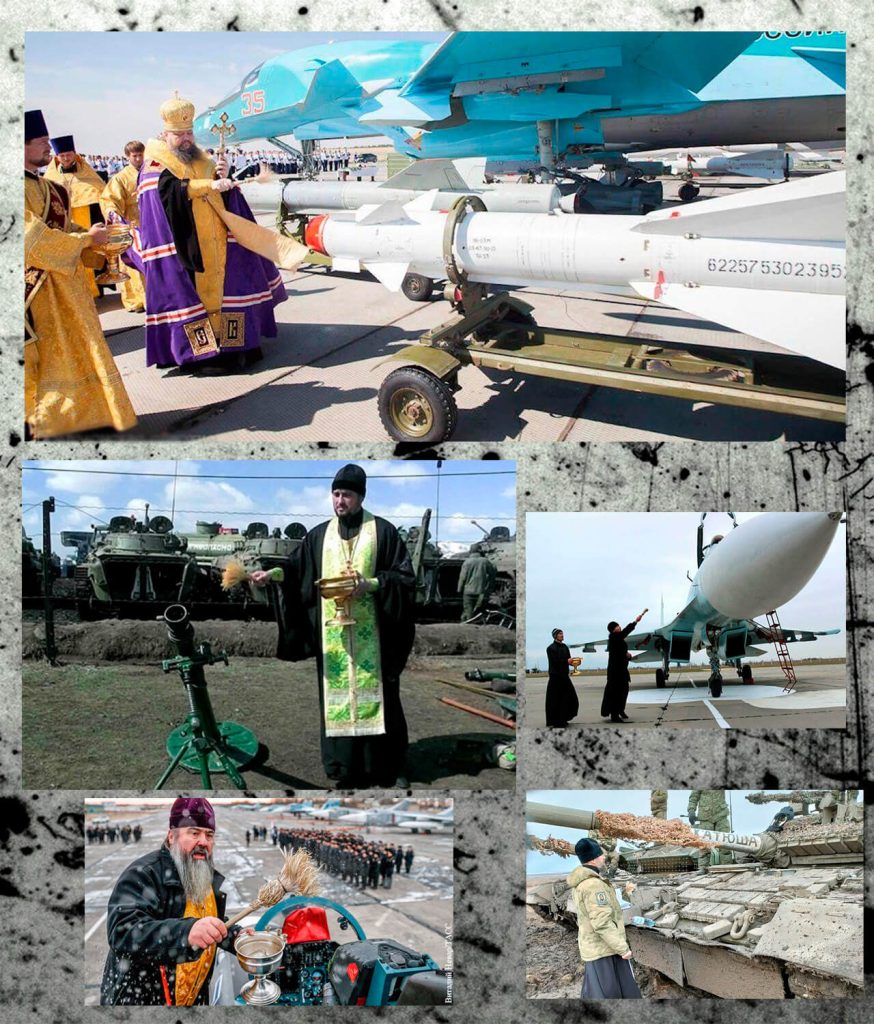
<point>548,96</point>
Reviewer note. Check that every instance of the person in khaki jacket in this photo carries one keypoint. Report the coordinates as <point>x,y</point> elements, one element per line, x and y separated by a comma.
<point>603,947</point>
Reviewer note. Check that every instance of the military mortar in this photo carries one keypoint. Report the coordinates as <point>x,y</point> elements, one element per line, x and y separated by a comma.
<point>202,744</point>
<point>784,922</point>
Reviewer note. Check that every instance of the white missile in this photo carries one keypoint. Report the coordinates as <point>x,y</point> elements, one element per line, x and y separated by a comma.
<point>444,180</point>
<point>765,562</point>
<point>770,264</point>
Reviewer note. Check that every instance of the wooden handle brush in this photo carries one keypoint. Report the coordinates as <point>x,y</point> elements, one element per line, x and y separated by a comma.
<point>299,876</point>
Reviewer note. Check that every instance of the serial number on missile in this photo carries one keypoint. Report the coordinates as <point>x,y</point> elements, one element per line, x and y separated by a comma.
<point>777,268</point>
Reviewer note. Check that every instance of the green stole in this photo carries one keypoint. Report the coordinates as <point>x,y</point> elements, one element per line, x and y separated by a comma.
<point>351,666</point>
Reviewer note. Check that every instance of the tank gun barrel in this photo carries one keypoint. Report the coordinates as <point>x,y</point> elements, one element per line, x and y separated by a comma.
<point>796,796</point>
<point>762,846</point>
<point>564,817</point>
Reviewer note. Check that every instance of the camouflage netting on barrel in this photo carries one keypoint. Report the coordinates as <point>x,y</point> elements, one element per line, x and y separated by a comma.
<point>651,830</point>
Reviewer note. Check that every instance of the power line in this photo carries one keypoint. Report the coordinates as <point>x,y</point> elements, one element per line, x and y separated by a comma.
<point>250,512</point>
<point>232,476</point>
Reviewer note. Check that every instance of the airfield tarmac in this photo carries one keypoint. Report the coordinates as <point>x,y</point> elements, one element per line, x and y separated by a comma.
<point>817,702</point>
<point>416,911</point>
<point>320,377</point>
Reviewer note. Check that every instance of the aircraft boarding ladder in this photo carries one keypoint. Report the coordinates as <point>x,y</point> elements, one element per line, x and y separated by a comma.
<point>783,655</point>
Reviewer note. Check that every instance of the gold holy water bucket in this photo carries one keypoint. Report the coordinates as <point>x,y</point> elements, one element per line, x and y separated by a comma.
<point>120,239</point>
<point>339,590</point>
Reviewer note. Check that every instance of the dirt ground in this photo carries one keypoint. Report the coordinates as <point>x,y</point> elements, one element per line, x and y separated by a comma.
<point>104,725</point>
<point>553,969</point>
<point>134,640</point>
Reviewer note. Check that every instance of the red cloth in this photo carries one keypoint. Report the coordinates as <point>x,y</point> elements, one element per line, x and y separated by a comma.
<point>307,924</point>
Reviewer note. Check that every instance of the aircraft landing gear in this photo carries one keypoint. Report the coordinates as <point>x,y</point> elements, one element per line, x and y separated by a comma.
<point>715,681</point>
<point>687,191</point>
<point>746,673</point>
<point>661,678</point>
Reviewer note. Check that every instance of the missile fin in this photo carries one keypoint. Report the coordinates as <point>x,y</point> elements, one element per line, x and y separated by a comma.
<point>427,201</point>
<point>809,325</point>
<point>385,213</point>
<point>346,264</point>
<point>390,275</point>
<point>807,210</point>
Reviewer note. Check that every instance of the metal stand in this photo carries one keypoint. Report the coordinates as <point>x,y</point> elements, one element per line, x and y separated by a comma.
<point>202,744</point>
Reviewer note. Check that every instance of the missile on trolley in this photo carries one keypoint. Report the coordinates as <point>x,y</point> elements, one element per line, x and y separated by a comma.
<point>770,264</point>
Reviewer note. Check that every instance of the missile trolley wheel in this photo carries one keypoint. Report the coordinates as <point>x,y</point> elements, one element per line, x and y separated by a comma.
<point>660,678</point>
<point>414,405</point>
<point>687,191</point>
<point>417,287</point>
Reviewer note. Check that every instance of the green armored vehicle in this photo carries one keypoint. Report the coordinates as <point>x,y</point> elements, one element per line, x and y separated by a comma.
<point>135,569</point>
<point>499,547</point>
<point>437,575</point>
<point>31,568</point>
<point>256,547</point>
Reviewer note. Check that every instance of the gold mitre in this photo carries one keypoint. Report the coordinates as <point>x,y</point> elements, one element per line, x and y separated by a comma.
<point>177,114</point>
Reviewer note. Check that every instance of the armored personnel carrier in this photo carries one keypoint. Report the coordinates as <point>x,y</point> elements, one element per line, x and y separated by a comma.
<point>134,569</point>
<point>783,921</point>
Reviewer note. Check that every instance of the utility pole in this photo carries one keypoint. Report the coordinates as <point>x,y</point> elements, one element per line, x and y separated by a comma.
<point>48,506</point>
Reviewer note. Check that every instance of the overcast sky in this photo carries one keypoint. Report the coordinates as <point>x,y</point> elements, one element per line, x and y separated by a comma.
<point>92,491</point>
<point>106,88</point>
<point>585,568</point>
<point>745,817</point>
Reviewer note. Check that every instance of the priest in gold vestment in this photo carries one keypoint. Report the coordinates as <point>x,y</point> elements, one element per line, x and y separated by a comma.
<point>71,382</point>
<point>119,199</point>
<point>84,186</point>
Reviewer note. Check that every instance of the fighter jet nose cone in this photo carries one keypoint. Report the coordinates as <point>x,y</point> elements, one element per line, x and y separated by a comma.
<point>766,561</point>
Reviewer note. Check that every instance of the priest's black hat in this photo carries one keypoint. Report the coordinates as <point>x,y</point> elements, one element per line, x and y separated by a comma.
<point>587,850</point>
<point>63,144</point>
<point>34,125</point>
<point>351,478</point>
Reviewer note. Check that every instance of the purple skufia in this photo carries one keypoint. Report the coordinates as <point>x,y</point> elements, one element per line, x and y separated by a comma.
<point>192,812</point>
<point>252,284</point>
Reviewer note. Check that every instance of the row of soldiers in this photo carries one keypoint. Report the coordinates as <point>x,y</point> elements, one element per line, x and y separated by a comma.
<point>110,833</point>
<point>348,856</point>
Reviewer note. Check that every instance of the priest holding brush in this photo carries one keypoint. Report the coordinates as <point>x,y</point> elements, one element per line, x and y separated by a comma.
<point>348,597</point>
<point>165,917</point>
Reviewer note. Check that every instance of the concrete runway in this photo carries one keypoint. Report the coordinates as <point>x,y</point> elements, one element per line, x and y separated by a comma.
<point>416,911</point>
<point>818,702</point>
<point>319,378</point>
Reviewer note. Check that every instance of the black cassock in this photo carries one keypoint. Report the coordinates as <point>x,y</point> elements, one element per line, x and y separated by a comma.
<point>618,676</point>
<point>610,977</point>
<point>360,760</point>
<point>562,703</point>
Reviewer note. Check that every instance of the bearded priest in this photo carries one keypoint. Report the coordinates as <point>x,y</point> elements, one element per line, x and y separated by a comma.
<point>209,294</point>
